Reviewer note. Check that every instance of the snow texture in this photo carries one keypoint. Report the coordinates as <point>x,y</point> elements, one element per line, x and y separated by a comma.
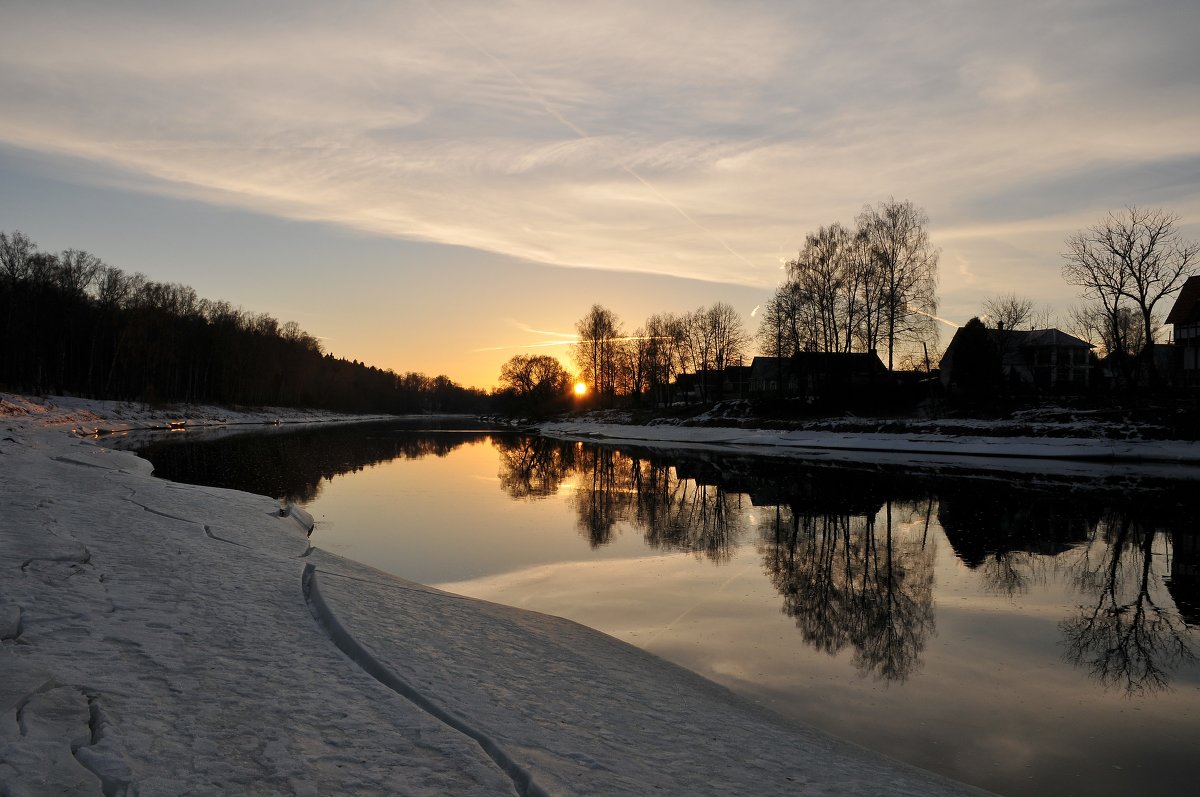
<point>161,639</point>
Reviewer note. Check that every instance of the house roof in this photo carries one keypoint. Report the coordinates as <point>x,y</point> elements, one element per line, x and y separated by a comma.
<point>769,367</point>
<point>1009,343</point>
<point>1050,337</point>
<point>817,361</point>
<point>839,362</point>
<point>1187,306</point>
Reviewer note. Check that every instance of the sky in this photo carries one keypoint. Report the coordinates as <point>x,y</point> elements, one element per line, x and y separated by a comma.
<point>437,186</point>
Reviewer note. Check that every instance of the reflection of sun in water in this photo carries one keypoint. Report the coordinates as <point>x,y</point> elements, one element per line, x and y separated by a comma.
<point>580,389</point>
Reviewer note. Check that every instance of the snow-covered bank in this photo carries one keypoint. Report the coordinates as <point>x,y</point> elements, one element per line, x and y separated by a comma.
<point>88,416</point>
<point>165,638</point>
<point>1053,456</point>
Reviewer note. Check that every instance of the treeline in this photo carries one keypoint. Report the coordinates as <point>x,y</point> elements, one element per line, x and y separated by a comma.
<point>72,324</point>
<point>644,365</point>
<point>873,287</point>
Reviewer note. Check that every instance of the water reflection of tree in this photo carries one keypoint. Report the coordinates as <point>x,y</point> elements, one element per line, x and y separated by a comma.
<point>292,464</point>
<point>852,557</point>
<point>1128,635</point>
<point>685,514</point>
<point>600,499</point>
<point>671,511</point>
<point>611,487</point>
<point>847,575</point>
<point>848,582</point>
<point>1127,639</point>
<point>534,467</point>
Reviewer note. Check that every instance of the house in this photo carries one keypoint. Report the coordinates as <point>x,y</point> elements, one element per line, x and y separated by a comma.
<point>1046,359</point>
<point>736,381</point>
<point>824,372</point>
<point>713,384</point>
<point>773,376</point>
<point>1185,316</point>
<point>815,373</point>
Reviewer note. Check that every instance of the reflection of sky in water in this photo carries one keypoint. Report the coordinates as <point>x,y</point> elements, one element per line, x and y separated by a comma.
<point>992,701</point>
<point>443,519</point>
<point>960,669</point>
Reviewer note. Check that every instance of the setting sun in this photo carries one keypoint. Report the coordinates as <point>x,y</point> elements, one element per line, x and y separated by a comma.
<point>580,389</point>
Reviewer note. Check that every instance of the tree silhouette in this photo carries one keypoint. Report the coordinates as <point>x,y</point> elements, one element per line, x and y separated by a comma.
<point>533,467</point>
<point>535,383</point>
<point>1126,264</point>
<point>849,585</point>
<point>1126,640</point>
<point>72,324</point>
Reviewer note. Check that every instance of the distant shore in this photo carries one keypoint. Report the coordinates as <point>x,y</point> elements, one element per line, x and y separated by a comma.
<point>165,638</point>
<point>1053,456</point>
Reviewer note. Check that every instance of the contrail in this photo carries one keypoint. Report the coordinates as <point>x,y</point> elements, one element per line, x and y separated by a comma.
<point>694,606</point>
<point>526,328</point>
<point>583,134</point>
<point>527,345</point>
<point>947,322</point>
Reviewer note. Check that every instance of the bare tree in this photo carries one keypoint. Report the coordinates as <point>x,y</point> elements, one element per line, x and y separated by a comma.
<point>1121,336</point>
<point>776,335</point>
<point>1009,311</point>
<point>697,345</point>
<point>828,277</point>
<point>1136,257</point>
<point>664,341</point>
<point>538,382</point>
<point>78,271</point>
<point>870,291</point>
<point>16,250</point>
<point>596,351</point>
<point>724,327</point>
<point>714,339</point>
<point>904,271</point>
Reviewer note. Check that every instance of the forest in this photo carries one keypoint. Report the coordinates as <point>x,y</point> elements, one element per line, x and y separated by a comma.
<point>72,324</point>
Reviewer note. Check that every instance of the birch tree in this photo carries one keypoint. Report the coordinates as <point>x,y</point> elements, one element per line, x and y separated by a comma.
<point>904,269</point>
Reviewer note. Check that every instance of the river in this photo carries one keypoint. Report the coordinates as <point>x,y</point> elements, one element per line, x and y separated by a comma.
<point>1026,637</point>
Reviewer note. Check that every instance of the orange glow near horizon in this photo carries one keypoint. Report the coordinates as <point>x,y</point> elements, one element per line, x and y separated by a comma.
<point>580,389</point>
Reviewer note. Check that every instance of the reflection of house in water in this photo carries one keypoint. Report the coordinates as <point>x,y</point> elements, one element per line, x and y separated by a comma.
<point>816,490</point>
<point>813,500</point>
<point>1184,582</point>
<point>985,522</point>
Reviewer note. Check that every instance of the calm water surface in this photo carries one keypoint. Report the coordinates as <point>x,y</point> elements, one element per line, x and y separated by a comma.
<point>1030,640</point>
